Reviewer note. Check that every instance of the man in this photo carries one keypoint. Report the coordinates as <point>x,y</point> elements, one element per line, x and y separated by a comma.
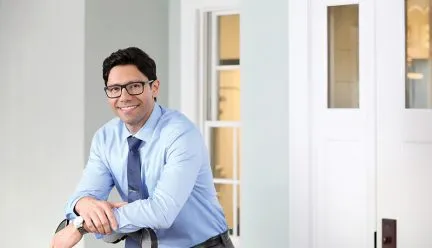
<point>158,162</point>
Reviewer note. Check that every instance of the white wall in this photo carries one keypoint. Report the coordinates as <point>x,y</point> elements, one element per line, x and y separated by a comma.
<point>42,121</point>
<point>264,106</point>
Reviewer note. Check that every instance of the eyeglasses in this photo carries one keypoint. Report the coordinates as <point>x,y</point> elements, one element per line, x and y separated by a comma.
<point>132,88</point>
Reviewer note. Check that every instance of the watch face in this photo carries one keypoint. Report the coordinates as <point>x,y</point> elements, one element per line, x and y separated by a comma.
<point>78,221</point>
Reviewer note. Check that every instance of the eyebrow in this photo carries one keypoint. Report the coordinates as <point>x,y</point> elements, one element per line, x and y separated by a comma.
<point>120,84</point>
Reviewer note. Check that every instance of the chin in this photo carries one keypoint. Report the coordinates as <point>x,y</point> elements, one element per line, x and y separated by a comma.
<point>130,121</point>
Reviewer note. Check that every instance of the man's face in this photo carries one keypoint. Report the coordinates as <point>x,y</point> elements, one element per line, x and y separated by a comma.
<point>133,110</point>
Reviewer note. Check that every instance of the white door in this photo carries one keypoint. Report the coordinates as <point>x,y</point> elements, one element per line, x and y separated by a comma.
<point>404,173</point>
<point>342,124</point>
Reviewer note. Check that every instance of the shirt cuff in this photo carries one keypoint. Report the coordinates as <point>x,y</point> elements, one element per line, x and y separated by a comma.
<point>70,212</point>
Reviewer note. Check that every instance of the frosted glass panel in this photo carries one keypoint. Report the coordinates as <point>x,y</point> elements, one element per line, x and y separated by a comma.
<point>418,54</point>
<point>343,53</point>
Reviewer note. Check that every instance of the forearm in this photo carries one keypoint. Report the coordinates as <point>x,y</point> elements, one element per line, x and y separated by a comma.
<point>158,212</point>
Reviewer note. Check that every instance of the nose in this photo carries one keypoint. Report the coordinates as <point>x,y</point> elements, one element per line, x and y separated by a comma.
<point>124,95</point>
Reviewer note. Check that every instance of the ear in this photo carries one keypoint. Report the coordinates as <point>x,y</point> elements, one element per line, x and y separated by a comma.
<point>155,88</point>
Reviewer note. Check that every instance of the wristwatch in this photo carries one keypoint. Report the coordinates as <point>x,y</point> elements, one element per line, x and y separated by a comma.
<point>78,222</point>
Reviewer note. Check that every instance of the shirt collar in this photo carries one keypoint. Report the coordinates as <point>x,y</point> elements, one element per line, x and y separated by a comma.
<point>146,132</point>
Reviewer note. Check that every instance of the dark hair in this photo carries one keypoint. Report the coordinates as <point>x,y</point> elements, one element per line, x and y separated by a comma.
<point>130,56</point>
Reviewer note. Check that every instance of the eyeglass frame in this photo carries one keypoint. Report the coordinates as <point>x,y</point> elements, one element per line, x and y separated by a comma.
<point>126,85</point>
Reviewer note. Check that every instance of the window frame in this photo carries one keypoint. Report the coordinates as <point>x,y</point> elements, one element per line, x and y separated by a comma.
<point>193,80</point>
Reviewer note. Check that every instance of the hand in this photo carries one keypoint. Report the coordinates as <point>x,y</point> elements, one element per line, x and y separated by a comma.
<point>66,238</point>
<point>98,215</point>
<point>117,204</point>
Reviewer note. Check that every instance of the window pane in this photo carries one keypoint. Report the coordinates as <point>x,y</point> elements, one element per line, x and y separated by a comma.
<point>224,151</point>
<point>229,39</point>
<point>224,98</point>
<point>343,56</point>
<point>418,62</point>
<point>222,91</point>
<point>225,195</point>
<point>229,95</point>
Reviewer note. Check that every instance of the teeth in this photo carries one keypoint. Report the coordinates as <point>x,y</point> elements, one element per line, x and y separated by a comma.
<point>129,107</point>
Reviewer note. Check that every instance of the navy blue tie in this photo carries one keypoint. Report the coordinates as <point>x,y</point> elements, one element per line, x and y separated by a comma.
<point>134,184</point>
<point>137,188</point>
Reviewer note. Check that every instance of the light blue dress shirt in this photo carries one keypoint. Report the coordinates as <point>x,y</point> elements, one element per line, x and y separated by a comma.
<point>182,207</point>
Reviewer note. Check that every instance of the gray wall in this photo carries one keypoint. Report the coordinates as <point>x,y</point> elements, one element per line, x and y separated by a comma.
<point>111,25</point>
<point>52,100</point>
<point>264,106</point>
<point>174,73</point>
<point>42,121</point>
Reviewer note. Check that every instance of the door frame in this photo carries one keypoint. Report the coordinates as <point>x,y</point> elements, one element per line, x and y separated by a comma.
<point>300,224</point>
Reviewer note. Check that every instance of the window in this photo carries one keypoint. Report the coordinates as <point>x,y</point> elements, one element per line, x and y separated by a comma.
<point>221,112</point>
<point>343,56</point>
<point>418,85</point>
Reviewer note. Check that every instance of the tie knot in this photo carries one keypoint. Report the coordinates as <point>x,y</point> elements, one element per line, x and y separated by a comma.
<point>134,143</point>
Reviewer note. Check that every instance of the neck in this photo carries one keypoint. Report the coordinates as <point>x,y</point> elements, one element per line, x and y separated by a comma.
<point>135,127</point>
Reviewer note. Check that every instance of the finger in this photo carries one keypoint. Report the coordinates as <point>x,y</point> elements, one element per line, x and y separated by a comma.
<point>88,221</point>
<point>97,223</point>
<point>117,204</point>
<point>86,227</point>
<point>111,217</point>
<point>105,224</point>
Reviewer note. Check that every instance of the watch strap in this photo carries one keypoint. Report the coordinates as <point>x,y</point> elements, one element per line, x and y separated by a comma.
<point>82,230</point>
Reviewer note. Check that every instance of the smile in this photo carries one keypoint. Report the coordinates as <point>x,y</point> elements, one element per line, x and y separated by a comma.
<point>128,107</point>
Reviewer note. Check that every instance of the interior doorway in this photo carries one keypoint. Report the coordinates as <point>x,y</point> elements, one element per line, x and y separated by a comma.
<point>342,124</point>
